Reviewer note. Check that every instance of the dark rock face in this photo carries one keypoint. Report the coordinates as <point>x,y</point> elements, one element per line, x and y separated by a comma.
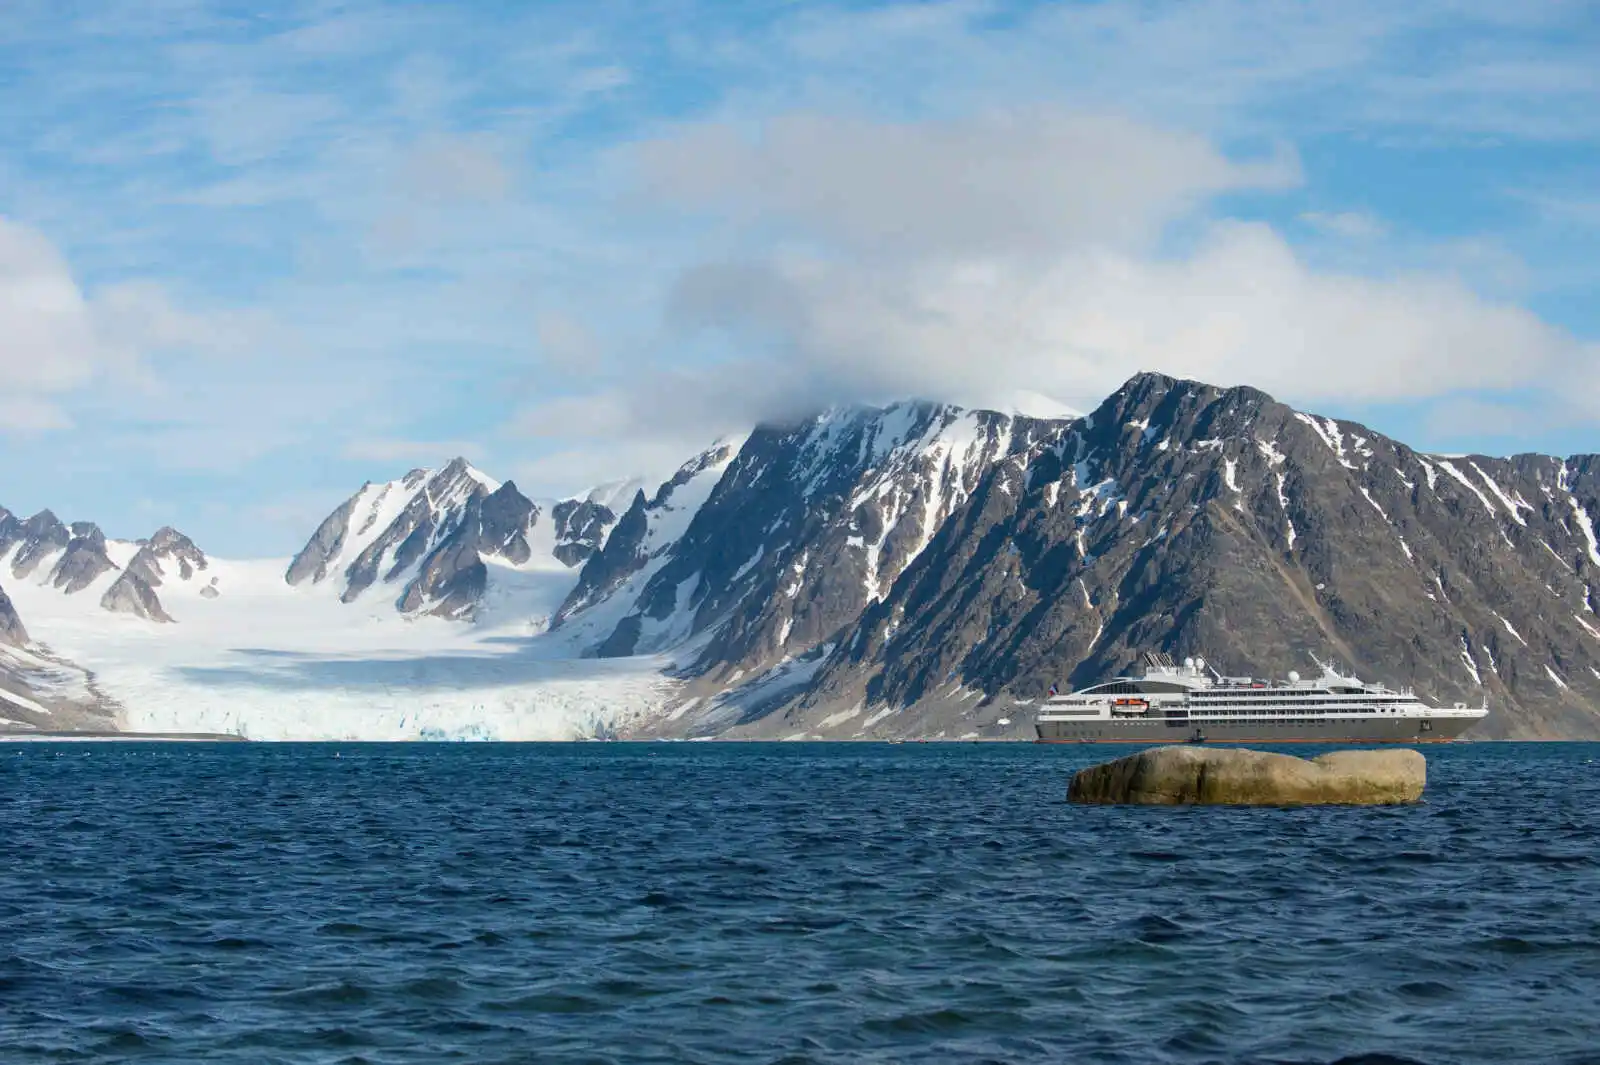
<point>83,561</point>
<point>643,541</point>
<point>581,526</point>
<point>453,576</point>
<point>1195,520</point>
<point>623,555</point>
<point>167,554</point>
<point>311,564</point>
<point>451,584</point>
<point>132,594</point>
<point>12,631</point>
<point>434,532</point>
<point>166,549</point>
<point>500,523</point>
<point>809,524</point>
<point>10,530</point>
<point>434,508</point>
<point>39,537</point>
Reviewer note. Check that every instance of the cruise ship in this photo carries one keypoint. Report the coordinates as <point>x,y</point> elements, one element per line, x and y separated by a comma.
<point>1190,703</point>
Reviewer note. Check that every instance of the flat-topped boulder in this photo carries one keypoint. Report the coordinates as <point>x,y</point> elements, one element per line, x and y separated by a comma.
<point>1177,776</point>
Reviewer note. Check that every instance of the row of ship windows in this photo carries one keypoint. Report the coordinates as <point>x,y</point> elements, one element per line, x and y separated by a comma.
<point>1077,730</point>
<point>1128,687</point>
<point>1253,712</point>
<point>1295,697</point>
<point>1260,707</point>
<point>1282,710</point>
<point>1084,729</point>
<point>1274,699</point>
<point>1240,712</point>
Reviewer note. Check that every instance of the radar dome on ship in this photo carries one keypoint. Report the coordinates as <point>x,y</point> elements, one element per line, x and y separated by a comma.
<point>1199,663</point>
<point>1294,677</point>
<point>1188,663</point>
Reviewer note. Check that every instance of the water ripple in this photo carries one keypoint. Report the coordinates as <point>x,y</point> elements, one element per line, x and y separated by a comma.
<point>783,903</point>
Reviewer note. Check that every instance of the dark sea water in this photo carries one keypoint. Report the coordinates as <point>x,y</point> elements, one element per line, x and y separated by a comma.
<point>787,902</point>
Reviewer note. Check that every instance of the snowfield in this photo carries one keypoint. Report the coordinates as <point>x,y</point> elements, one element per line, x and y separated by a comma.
<point>271,662</point>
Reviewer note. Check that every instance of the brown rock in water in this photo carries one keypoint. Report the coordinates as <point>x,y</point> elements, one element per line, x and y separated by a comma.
<point>1175,776</point>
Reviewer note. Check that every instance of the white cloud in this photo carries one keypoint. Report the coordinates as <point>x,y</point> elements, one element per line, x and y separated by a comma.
<point>51,343</point>
<point>971,259</point>
<point>852,202</point>
<point>1244,309</point>
<point>595,416</point>
<point>964,260</point>
<point>59,339</point>
<point>1004,181</point>
<point>1470,418</point>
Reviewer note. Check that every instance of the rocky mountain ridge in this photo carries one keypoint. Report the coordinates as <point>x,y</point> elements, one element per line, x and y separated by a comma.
<point>1196,520</point>
<point>927,570</point>
<point>430,537</point>
<point>73,558</point>
<point>922,568</point>
<point>38,688</point>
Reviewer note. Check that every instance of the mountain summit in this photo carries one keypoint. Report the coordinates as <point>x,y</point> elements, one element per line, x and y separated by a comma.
<point>432,535</point>
<point>918,569</point>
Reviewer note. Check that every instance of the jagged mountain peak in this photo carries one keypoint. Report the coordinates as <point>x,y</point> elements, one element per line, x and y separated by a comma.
<point>1184,517</point>
<point>926,568</point>
<point>807,522</point>
<point>71,558</point>
<point>168,546</point>
<point>390,511</point>
<point>166,538</point>
<point>433,535</point>
<point>713,457</point>
<point>166,554</point>
<point>83,560</point>
<point>37,539</point>
<point>640,543</point>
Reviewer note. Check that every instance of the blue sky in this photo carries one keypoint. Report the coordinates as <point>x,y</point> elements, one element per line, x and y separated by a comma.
<point>254,254</point>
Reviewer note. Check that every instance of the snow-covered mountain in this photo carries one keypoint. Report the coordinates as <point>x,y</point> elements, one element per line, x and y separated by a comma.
<point>435,540</point>
<point>47,562</point>
<point>912,570</point>
<point>602,612</point>
<point>122,576</point>
<point>804,526</point>
<point>1196,520</point>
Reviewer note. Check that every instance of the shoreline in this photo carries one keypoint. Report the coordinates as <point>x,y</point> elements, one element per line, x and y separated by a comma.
<point>120,737</point>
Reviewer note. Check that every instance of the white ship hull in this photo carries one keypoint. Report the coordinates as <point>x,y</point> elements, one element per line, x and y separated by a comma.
<point>1175,730</point>
<point>1169,703</point>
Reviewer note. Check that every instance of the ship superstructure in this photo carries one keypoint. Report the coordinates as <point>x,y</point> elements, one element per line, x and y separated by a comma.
<point>1170,702</point>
